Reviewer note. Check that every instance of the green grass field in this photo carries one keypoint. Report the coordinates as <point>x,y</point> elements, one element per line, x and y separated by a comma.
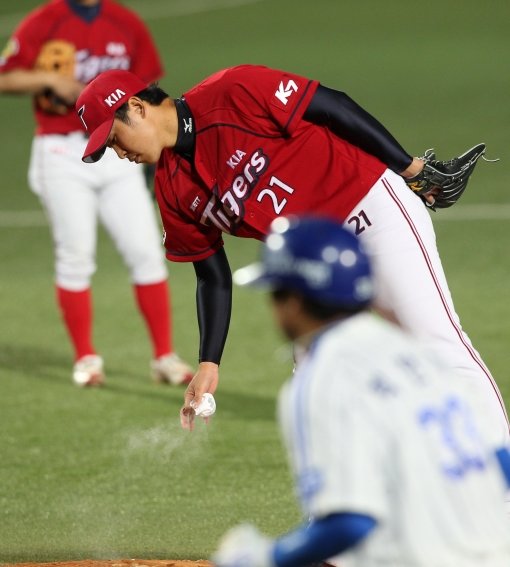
<point>109,473</point>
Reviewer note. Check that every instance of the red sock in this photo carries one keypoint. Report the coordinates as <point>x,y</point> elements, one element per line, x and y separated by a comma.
<point>154,303</point>
<point>76,310</point>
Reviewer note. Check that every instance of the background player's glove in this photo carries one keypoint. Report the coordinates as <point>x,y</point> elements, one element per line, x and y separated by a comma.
<point>244,546</point>
<point>448,178</point>
<point>56,56</point>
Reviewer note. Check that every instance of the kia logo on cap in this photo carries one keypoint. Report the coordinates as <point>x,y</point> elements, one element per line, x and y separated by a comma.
<point>114,97</point>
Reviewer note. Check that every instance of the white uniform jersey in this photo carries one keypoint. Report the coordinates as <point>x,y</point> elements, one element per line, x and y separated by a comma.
<point>375,425</point>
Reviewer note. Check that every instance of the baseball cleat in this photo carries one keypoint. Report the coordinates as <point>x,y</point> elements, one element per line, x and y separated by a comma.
<point>170,369</point>
<point>88,371</point>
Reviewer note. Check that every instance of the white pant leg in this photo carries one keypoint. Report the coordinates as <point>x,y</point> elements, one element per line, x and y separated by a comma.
<point>74,194</point>
<point>66,190</point>
<point>411,283</point>
<point>128,214</point>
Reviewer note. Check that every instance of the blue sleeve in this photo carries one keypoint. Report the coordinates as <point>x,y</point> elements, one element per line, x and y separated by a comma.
<point>321,539</point>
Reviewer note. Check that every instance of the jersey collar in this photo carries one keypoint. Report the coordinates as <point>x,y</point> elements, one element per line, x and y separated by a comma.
<point>87,13</point>
<point>185,145</point>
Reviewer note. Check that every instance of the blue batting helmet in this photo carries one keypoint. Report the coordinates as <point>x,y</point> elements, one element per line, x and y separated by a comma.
<point>316,257</point>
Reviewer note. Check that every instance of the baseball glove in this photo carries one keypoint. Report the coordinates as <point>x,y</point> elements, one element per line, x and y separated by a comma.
<point>448,178</point>
<point>56,56</point>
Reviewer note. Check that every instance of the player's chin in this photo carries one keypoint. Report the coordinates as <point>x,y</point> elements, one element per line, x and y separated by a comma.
<point>143,159</point>
<point>150,159</point>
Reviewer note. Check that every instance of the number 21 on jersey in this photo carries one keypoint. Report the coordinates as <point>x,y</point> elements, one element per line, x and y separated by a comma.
<point>276,193</point>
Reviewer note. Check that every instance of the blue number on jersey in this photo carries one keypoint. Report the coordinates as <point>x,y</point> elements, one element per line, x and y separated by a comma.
<point>503,456</point>
<point>457,432</point>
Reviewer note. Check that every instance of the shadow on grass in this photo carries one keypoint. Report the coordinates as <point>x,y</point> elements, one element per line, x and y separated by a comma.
<point>36,363</point>
<point>54,366</point>
<point>33,361</point>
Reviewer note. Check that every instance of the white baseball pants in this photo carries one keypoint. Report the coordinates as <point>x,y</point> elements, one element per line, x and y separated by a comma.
<point>411,286</point>
<point>75,195</point>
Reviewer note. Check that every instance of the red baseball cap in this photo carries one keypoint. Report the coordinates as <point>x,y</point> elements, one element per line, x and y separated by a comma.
<point>97,104</point>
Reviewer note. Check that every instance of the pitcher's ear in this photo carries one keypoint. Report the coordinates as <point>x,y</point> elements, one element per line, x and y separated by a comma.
<point>137,105</point>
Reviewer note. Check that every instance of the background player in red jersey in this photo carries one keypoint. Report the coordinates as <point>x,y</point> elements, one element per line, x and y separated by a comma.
<point>54,52</point>
<point>249,144</point>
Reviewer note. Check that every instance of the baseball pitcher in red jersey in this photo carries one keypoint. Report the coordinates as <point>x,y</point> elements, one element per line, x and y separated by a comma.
<point>251,143</point>
<point>55,51</point>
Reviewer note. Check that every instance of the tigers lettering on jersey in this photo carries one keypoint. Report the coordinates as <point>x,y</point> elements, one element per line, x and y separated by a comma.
<point>89,66</point>
<point>226,212</point>
<point>219,215</point>
<point>244,183</point>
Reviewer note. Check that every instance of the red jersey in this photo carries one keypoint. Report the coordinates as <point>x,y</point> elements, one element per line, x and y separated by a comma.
<point>116,39</point>
<point>255,159</point>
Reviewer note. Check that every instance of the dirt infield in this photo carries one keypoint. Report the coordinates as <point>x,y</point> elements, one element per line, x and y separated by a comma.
<point>117,563</point>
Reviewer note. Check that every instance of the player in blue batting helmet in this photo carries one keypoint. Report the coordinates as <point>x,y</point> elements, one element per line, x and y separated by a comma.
<point>315,257</point>
<point>359,383</point>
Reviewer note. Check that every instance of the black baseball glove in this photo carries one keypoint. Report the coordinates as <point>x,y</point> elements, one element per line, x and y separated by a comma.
<point>447,178</point>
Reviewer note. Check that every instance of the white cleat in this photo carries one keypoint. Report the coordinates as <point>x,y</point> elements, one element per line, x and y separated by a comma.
<point>88,371</point>
<point>170,369</point>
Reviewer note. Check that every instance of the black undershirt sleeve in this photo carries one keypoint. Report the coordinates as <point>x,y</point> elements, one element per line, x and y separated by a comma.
<point>214,304</point>
<point>345,118</point>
